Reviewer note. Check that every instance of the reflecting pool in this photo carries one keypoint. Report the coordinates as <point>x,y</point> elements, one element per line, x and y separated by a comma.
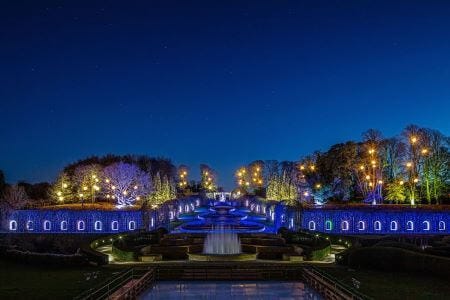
<point>227,290</point>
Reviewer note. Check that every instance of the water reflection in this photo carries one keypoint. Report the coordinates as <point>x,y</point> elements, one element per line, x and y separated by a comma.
<point>227,290</point>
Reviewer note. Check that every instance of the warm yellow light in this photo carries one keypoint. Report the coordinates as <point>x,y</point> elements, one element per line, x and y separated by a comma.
<point>209,179</point>
<point>367,177</point>
<point>413,140</point>
<point>370,184</point>
<point>416,180</point>
<point>97,188</point>
<point>94,176</point>
<point>96,179</point>
<point>107,180</point>
<point>361,167</point>
<point>247,183</point>
<point>318,186</point>
<point>373,162</point>
<point>371,151</point>
<point>64,185</point>
<point>256,174</point>
<point>85,188</point>
<point>312,167</point>
<point>206,173</point>
<point>210,187</point>
<point>59,193</point>
<point>306,194</point>
<point>402,182</point>
<point>81,195</point>
<point>409,164</point>
<point>260,181</point>
<point>380,181</point>
<point>135,187</point>
<point>424,151</point>
<point>182,175</point>
<point>125,193</point>
<point>138,198</point>
<point>302,167</point>
<point>107,196</point>
<point>257,169</point>
<point>113,187</point>
<point>61,198</point>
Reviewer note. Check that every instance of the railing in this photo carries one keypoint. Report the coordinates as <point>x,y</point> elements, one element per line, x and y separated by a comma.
<point>329,286</point>
<point>127,285</point>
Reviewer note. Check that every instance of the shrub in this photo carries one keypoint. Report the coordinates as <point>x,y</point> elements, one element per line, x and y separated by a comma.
<point>45,258</point>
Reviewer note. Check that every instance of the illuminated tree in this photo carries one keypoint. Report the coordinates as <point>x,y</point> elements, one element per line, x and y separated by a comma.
<point>163,190</point>
<point>87,179</point>
<point>369,171</point>
<point>183,178</point>
<point>282,188</point>
<point>62,190</point>
<point>125,183</point>
<point>435,162</point>
<point>208,178</point>
<point>414,137</point>
<point>395,191</point>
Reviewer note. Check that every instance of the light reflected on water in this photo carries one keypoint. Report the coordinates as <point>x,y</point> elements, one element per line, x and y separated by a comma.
<point>227,290</point>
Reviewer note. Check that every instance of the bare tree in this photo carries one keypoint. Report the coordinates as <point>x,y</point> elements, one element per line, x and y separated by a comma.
<point>126,183</point>
<point>15,197</point>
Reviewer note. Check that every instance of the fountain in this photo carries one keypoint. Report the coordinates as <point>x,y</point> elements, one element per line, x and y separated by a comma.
<point>222,242</point>
<point>222,215</point>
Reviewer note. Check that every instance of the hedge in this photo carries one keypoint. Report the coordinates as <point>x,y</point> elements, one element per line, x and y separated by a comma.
<point>45,258</point>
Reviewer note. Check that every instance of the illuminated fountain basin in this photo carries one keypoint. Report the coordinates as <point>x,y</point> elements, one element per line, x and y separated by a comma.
<point>222,244</point>
<point>222,215</point>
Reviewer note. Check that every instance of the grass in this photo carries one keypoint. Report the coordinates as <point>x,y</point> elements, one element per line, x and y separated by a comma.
<point>385,285</point>
<point>39,282</point>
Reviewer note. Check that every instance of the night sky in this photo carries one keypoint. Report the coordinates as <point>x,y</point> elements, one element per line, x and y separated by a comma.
<point>200,82</point>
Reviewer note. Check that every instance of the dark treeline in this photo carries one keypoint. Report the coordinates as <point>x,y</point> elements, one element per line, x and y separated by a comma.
<point>151,165</point>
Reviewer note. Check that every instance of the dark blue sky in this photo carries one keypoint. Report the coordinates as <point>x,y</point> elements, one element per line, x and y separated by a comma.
<point>222,84</point>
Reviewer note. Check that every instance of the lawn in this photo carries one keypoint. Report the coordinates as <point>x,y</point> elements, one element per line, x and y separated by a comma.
<point>385,285</point>
<point>31,282</point>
